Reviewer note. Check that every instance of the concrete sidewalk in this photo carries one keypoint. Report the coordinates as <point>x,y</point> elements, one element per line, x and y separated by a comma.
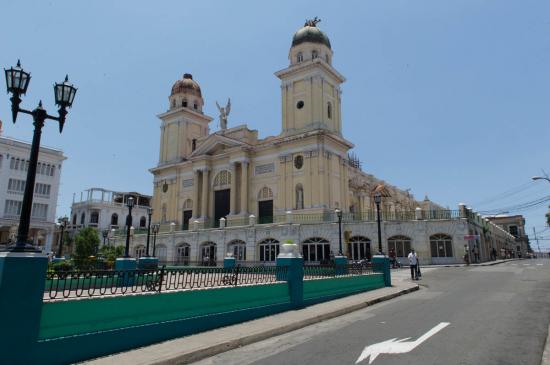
<point>196,347</point>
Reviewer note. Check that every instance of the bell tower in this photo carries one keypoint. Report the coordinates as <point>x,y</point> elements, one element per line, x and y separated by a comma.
<point>184,122</point>
<point>310,86</point>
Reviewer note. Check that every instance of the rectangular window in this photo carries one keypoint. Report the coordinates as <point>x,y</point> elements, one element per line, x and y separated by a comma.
<point>12,207</point>
<point>513,230</point>
<point>433,247</point>
<point>39,211</point>
<point>17,186</point>
<point>42,189</point>
<point>12,163</point>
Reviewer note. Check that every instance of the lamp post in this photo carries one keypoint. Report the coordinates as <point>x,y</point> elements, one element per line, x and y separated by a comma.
<point>150,214</point>
<point>156,228</point>
<point>113,231</point>
<point>17,81</point>
<point>105,234</point>
<point>378,200</point>
<point>62,224</point>
<point>130,205</point>
<point>339,215</point>
<point>540,178</point>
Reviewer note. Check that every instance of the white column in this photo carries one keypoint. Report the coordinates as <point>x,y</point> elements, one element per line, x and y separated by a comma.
<point>233,192</point>
<point>244,187</point>
<point>204,201</point>
<point>195,195</point>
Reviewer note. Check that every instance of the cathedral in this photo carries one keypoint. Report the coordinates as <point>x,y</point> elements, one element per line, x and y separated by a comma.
<point>231,192</point>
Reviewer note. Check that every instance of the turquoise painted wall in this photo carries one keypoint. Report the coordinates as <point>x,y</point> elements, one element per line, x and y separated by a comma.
<point>74,317</point>
<point>340,286</point>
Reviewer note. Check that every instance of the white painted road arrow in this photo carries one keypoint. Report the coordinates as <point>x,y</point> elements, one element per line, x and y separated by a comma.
<point>395,346</point>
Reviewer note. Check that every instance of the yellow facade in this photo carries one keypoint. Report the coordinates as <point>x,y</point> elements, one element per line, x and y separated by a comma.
<point>231,173</point>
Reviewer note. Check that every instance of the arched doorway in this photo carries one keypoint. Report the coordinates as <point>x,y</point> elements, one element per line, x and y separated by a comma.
<point>269,249</point>
<point>316,249</point>
<point>359,248</point>
<point>222,190</point>
<point>265,206</point>
<point>187,214</point>
<point>182,254</point>
<point>208,254</point>
<point>238,249</point>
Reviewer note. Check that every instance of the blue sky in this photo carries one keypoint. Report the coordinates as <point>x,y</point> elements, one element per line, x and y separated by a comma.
<point>449,99</point>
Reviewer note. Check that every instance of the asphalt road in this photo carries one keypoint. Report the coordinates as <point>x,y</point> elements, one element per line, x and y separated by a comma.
<point>495,314</point>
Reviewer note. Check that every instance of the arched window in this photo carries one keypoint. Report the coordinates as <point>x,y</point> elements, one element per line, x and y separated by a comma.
<point>265,194</point>
<point>208,254</point>
<point>161,252</point>
<point>316,249</point>
<point>299,197</point>
<point>164,209</point>
<point>83,218</point>
<point>184,103</point>
<point>182,253</point>
<point>238,249</point>
<point>173,103</point>
<point>314,54</point>
<point>299,57</point>
<point>142,222</point>
<point>94,218</point>
<point>193,144</point>
<point>139,251</point>
<point>329,110</point>
<point>74,219</point>
<point>441,245</point>
<point>114,219</point>
<point>400,244</point>
<point>359,248</point>
<point>269,249</point>
<point>222,180</point>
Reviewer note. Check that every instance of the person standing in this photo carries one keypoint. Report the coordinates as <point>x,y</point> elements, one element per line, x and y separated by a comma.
<point>413,261</point>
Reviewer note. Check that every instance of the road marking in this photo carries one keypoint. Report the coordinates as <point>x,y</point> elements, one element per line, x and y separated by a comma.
<point>539,264</point>
<point>526,264</point>
<point>395,346</point>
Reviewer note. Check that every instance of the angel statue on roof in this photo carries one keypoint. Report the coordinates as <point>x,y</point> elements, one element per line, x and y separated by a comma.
<point>224,112</point>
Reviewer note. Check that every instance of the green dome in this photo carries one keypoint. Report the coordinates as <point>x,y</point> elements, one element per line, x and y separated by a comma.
<point>310,34</point>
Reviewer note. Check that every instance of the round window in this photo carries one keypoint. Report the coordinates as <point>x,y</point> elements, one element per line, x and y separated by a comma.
<point>298,162</point>
<point>300,104</point>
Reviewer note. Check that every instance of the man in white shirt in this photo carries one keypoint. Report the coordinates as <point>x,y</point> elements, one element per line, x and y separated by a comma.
<point>413,261</point>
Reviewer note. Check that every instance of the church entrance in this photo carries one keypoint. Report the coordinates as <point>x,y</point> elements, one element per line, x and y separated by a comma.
<point>221,205</point>
<point>265,212</point>
<point>187,214</point>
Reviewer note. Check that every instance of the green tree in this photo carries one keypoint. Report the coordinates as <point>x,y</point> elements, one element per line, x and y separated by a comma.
<point>110,254</point>
<point>86,243</point>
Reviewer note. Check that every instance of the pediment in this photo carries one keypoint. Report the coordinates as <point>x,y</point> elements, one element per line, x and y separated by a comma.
<point>216,144</point>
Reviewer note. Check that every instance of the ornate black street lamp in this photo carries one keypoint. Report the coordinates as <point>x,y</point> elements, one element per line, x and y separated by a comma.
<point>130,205</point>
<point>62,224</point>
<point>339,215</point>
<point>17,81</point>
<point>378,200</point>
<point>156,228</point>
<point>149,213</point>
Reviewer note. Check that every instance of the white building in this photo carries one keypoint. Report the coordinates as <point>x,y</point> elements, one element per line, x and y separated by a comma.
<point>14,163</point>
<point>106,210</point>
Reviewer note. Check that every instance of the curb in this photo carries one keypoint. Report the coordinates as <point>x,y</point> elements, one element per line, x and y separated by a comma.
<point>490,263</point>
<point>216,349</point>
<point>546,354</point>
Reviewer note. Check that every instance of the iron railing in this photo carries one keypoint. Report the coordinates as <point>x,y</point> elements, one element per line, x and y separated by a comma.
<point>350,269</point>
<point>78,284</point>
<point>315,218</point>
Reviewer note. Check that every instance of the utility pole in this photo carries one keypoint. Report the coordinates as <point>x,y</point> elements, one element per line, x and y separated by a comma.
<point>537,239</point>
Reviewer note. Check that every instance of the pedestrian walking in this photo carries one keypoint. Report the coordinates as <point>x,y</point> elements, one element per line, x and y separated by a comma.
<point>413,261</point>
